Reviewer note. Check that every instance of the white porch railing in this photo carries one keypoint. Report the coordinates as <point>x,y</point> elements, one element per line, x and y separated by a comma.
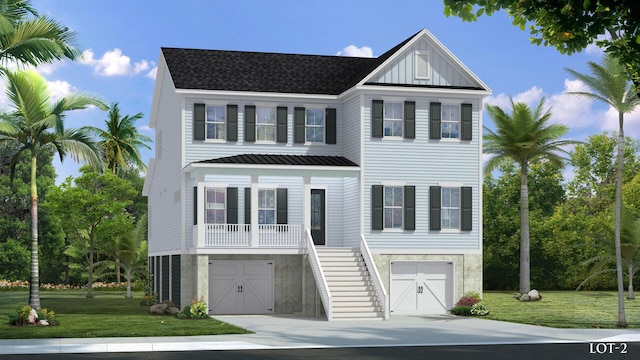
<point>381,293</point>
<point>321,281</point>
<point>241,236</point>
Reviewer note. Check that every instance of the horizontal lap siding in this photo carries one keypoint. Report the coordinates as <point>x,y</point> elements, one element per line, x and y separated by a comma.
<point>351,129</point>
<point>200,150</point>
<point>422,163</point>
<point>351,215</point>
<point>165,188</point>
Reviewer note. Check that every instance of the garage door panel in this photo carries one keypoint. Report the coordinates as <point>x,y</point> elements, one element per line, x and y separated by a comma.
<point>223,296</point>
<point>428,282</point>
<point>404,298</point>
<point>241,286</point>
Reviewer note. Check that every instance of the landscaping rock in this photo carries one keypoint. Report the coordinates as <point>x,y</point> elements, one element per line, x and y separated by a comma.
<point>33,316</point>
<point>524,297</point>
<point>158,309</point>
<point>534,295</point>
<point>44,323</point>
<point>173,311</point>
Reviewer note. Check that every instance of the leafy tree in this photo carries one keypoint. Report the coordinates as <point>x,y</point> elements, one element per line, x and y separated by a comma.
<point>120,142</point>
<point>524,137</point>
<point>630,249</point>
<point>96,211</point>
<point>569,25</point>
<point>608,83</point>
<point>14,260</point>
<point>37,125</point>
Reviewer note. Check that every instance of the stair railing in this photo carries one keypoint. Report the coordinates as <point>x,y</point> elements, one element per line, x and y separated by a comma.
<point>321,281</point>
<point>381,293</point>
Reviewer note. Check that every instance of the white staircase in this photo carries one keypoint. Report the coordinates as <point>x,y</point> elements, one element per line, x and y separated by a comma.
<point>352,294</point>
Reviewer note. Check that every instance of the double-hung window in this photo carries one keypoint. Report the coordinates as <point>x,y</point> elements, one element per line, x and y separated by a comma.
<point>215,205</point>
<point>266,206</point>
<point>393,207</point>
<point>450,121</point>
<point>216,122</point>
<point>393,119</point>
<point>314,126</point>
<point>450,208</point>
<point>265,124</point>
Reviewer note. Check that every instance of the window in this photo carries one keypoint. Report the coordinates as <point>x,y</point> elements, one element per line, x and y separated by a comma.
<point>421,64</point>
<point>450,121</point>
<point>215,206</point>
<point>393,119</point>
<point>216,122</point>
<point>267,206</point>
<point>314,126</point>
<point>393,207</point>
<point>450,208</point>
<point>265,124</point>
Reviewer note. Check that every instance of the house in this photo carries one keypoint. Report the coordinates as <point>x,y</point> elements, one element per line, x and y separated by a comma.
<point>316,185</point>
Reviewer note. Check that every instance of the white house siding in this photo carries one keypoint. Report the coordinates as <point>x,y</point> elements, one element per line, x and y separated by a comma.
<point>204,150</point>
<point>351,128</point>
<point>165,200</point>
<point>350,202</point>
<point>442,71</point>
<point>422,163</point>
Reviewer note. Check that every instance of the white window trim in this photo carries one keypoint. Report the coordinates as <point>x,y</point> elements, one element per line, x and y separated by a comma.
<point>452,185</point>
<point>416,56</point>
<point>324,127</point>
<point>393,184</point>
<point>222,104</point>
<point>275,122</point>
<point>450,102</point>
<point>394,101</point>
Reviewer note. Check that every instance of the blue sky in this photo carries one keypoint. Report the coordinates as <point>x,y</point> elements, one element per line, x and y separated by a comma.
<point>122,39</point>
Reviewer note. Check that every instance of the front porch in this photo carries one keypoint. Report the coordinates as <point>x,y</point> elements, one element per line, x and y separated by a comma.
<point>249,236</point>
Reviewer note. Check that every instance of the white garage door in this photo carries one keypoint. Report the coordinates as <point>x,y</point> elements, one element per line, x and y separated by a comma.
<point>421,287</point>
<point>241,286</point>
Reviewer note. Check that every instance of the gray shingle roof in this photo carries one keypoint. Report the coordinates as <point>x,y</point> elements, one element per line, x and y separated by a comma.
<point>268,72</point>
<point>269,159</point>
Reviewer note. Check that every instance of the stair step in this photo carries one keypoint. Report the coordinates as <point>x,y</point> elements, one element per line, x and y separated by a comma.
<point>367,315</point>
<point>354,309</point>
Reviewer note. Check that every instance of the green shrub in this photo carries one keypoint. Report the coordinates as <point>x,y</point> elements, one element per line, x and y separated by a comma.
<point>148,299</point>
<point>14,316</point>
<point>197,310</point>
<point>21,316</point>
<point>479,309</point>
<point>461,310</point>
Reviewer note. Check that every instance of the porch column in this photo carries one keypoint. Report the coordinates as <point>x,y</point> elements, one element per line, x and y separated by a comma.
<point>306,201</point>
<point>255,235</point>
<point>200,208</point>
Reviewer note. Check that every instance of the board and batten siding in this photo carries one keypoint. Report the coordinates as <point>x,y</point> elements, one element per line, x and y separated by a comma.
<point>422,163</point>
<point>204,150</point>
<point>442,71</point>
<point>165,200</point>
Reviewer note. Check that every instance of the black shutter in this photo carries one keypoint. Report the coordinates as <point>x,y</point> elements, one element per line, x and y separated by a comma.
<point>232,205</point>
<point>409,119</point>
<point>249,123</point>
<point>232,122</point>
<point>281,204</point>
<point>299,125</point>
<point>175,280</point>
<point>377,119</point>
<point>377,207</point>
<point>409,207</point>
<point>199,120</point>
<point>435,201</point>
<point>435,117</point>
<point>195,205</point>
<point>165,278</point>
<point>247,206</point>
<point>465,117</point>
<point>281,130</point>
<point>331,126</point>
<point>465,216</point>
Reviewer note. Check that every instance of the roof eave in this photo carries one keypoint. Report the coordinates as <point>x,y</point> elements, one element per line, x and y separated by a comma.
<point>195,169</point>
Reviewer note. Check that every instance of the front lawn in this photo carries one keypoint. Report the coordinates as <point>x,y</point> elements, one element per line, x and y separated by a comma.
<point>563,309</point>
<point>108,314</point>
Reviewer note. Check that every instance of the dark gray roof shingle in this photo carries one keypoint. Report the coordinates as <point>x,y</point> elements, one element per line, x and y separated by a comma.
<point>268,72</point>
<point>269,159</point>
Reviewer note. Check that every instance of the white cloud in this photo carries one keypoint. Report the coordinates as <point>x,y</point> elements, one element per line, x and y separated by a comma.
<point>114,63</point>
<point>59,89</point>
<point>355,51</point>
<point>152,73</point>
<point>631,125</point>
<point>145,128</point>
<point>531,97</point>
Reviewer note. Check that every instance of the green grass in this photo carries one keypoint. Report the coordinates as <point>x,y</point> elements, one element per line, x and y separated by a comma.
<point>563,309</point>
<point>108,314</point>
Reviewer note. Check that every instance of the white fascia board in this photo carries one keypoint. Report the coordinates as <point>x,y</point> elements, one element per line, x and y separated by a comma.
<point>255,94</point>
<point>194,169</point>
<point>157,89</point>
<point>148,176</point>
<point>403,90</point>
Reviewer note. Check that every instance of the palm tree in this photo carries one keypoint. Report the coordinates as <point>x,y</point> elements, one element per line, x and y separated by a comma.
<point>27,38</point>
<point>523,137</point>
<point>610,84</point>
<point>120,142</point>
<point>38,125</point>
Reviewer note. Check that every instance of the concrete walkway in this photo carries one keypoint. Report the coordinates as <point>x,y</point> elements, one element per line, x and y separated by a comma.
<point>289,332</point>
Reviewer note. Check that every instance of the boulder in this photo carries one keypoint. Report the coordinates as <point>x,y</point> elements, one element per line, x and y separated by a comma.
<point>173,310</point>
<point>534,295</point>
<point>44,323</point>
<point>33,316</point>
<point>158,309</point>
<point>524,297</point>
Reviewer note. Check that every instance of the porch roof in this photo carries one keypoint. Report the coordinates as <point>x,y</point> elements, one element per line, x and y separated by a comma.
<point>272,164</point>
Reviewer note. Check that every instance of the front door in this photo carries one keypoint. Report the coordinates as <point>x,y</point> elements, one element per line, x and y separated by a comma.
<point>318,231</point>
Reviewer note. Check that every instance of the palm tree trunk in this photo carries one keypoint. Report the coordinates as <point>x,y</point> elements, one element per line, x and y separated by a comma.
<point>630,295</point>
<point>129,282</point>
<point>525,270</point>
<point>90,272</point>
<point>34,285</point>
<point>622,321</point>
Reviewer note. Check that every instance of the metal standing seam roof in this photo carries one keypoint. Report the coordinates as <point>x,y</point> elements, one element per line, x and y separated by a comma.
<point>269,159</point>
<point>225,70</point>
